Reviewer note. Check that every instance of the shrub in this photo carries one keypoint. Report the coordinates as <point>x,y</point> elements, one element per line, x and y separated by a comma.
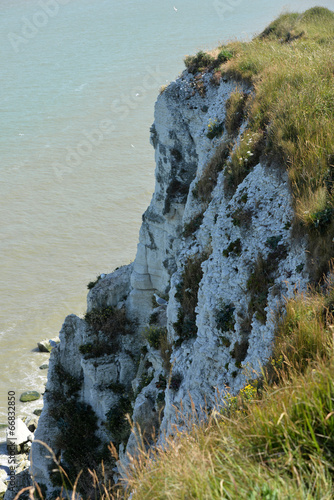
<point>91,284</point>
<point>86,348</point>
<point>204,61</point>
<point>107,325</point>
<point>200,62</point>
<point>77,426</point>
<point>233,248</point>
<point>162,382</point>
<point>160,399</point>
<point>116,387</point>
<point>100,347</point>
<point>192,226</point>
<point>154,316</point>
<point>175,381</point>
<point>109,320</point>
<point>145,380</point>
<point>215,129</point>
<point>154,335</point>
<point>209,178</point>
<point>239,351</point>
<point>261,279</point>
<point>117,422</point>
<point>157,337</point>
<point>240,404</point>
<point>186,294</point>
<point>224,55</point>
<point>225,317</point>
<point>242,217</point>
<point>224,341</point>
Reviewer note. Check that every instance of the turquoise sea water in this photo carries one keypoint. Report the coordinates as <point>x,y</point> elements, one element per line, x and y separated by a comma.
<point>78,83</point>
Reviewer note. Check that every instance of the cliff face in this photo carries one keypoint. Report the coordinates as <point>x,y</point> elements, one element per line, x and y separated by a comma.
<point>220,252</point>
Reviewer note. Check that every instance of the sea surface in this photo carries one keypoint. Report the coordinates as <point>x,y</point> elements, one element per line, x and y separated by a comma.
<point>78,82</point>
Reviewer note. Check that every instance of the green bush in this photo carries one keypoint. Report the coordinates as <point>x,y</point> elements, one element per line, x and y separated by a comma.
<point>233,248</point>
<point>191,227</point>
<point>186,294</point>
<point>109,320</point>
<point>175,381</point>
<point>225,317</point>
<point>117,422</point>
<point>209,178</point>
<point>91,284</point>
<point>154,335</point>
<point>262,278</point>
<point>199,62</point>
<point>215,129</point>
<point>224,55</point>
<point>77,425</point>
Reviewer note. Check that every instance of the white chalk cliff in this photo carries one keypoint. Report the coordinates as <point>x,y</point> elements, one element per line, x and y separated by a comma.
<point>236,231</point>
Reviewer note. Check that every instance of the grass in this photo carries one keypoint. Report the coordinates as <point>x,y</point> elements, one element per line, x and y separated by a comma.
<point>235,106</point>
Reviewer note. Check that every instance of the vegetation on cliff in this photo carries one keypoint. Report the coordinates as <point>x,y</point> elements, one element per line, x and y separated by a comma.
<point>275,439</point>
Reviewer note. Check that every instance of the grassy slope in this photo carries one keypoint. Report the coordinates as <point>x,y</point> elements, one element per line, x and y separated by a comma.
<point>276,439</point>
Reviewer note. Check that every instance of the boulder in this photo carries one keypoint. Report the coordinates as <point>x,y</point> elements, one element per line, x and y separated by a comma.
<point>18,437</point>
<point>45,366</point>
<point>47,345</point>
<point>31,423</point>
<point>38,411</point>
<point>29,396</point>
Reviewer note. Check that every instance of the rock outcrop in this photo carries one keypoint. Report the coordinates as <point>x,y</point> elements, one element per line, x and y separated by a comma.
<point>223,257</point>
